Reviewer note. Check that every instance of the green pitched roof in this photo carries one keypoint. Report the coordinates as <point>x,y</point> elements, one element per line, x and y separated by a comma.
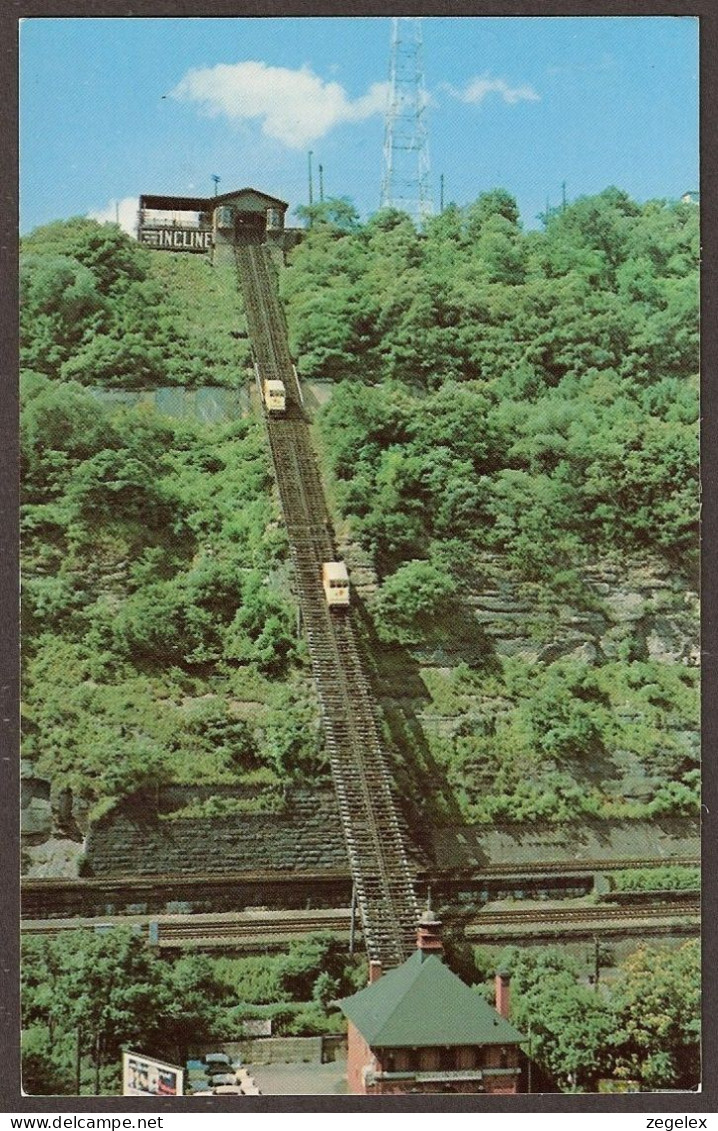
<point>422,1003</point>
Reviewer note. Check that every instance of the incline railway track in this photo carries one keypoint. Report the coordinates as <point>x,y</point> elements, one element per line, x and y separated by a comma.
<point>378,862</point>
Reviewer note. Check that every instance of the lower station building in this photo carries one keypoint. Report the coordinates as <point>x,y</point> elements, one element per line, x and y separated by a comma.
<point>419,1029</point>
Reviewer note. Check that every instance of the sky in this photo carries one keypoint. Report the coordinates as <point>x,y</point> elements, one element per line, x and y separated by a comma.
<point>111,108</point>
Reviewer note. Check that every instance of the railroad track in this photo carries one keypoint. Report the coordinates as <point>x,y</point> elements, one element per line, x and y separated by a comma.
<point>44,897</point>
<point>246,930</point>
<point>228,929</point>
<point>659,918</point>
<point>378,862</point>
<point>574,914</point>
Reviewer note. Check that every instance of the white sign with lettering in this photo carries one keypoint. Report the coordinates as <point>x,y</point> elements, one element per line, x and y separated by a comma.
<point>176,239</point>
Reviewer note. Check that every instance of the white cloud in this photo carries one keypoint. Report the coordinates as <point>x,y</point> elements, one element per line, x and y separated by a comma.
<point>125,210</point>
<point>294,107</point>
<point>477,89</point>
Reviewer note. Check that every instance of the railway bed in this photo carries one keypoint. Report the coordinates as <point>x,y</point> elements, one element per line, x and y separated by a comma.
<point>263,931</point>
<point>251,930</point>
<point>327,888</point>
<point>551,923</point>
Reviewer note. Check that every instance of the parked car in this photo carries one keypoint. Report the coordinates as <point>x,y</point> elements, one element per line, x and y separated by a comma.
<point>216,1062</point>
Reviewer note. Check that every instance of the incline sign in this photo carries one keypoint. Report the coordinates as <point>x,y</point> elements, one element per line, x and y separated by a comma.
<point>177,239</point>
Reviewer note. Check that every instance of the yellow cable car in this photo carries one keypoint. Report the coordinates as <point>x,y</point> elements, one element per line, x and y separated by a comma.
<point>335,581</point>
<point>275,397</point>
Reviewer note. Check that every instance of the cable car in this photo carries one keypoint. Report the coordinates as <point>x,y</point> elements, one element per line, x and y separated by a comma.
<point>335,581</point>
<point>275,397</point>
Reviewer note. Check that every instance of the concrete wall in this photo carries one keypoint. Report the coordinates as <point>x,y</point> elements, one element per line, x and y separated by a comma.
<point>284,1050</point>
<point>277,1050</point>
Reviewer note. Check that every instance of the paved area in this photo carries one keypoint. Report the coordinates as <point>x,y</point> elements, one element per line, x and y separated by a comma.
<point>301,1079</point>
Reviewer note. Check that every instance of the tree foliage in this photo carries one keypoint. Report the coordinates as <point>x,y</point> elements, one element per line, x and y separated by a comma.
<point>561,364</point>
<point>96,994</point>
<point>147,549</point>
<point>99,309</point>
<point>526,395</point>
<point>643,1026</point>
<point>657,1003</point>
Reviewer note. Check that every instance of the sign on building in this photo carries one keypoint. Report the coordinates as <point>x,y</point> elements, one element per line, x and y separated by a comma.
<point>144,1077</point>
<point>176,239</point>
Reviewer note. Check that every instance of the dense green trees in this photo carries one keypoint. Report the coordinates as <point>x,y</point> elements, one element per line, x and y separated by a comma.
<point>531,396</point>
<point>91,995</point>
<point>641,1025</point>
<point>578,349</point>
<point>410,603</point>
<point>658,1006</point>
<point>531,741</point>
<point>147,550</point>
<point>99,309</point>
<point>527,395</point>
<point>87,996</point>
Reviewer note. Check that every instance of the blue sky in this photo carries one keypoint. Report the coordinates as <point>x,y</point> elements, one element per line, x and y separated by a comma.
<point>111,108</point>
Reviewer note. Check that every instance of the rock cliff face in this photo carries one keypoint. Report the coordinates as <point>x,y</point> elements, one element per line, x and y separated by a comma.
<point>637,611</point>
<point>633,612</point>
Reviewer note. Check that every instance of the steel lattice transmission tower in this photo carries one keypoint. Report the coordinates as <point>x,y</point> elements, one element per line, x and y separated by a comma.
<point>406,181</point>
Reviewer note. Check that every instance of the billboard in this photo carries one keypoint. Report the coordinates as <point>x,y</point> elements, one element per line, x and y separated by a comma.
<point>142,1076</point>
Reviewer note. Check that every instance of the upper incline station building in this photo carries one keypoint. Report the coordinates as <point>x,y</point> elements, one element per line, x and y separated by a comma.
<point>201,224</point>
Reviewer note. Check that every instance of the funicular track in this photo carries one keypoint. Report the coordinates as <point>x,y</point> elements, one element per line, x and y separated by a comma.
<point>378,862</point>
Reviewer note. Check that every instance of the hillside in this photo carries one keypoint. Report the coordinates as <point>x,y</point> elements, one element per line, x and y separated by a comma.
<point>159,633</point>
<point>511,446</point>
<point>513,433</point>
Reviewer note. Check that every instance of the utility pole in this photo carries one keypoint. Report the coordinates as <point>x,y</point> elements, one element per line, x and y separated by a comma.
<point>216,180</point>
<point>311,185</point>
<point>406,177</point>
<point>441,193</point>
<point>563,196</point>
<point>528,1065</point>
<point>352,922</point>
<point>97,1063</point>
<point>321,184</point>
<point>78,1061</point>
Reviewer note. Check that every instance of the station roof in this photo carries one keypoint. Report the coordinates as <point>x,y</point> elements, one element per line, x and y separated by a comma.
<point>209,203</point>
<point>422,1003</point>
